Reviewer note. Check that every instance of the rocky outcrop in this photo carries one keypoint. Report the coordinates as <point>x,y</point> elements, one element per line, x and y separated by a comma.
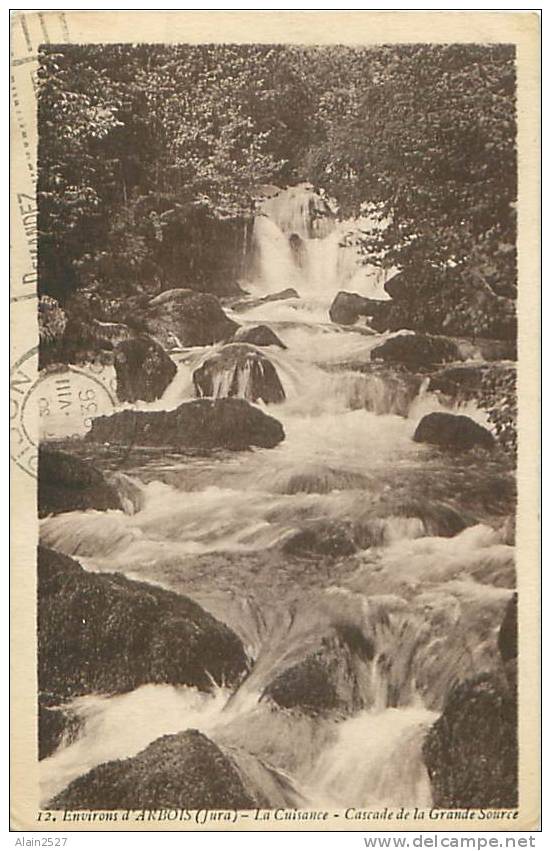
<point>334,679</point>
<point>201,424</point>
<point>182,317</point>
<point>68,483</point>
<point>239,370</point>
<point>103,633</point>
<point>186,770</point>
<point>471,753</point>
<point>451,431</point>
<point>258,335</point>
<point>143,368</point>
<point>347,308</point>
<point>416,351</point>
<point>248,304</point>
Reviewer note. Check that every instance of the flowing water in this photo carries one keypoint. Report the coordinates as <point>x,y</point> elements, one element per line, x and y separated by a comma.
<point>424,584</point>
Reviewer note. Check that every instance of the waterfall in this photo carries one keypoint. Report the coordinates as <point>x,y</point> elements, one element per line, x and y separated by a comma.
<point>300,243</point>
<point>395,619</point>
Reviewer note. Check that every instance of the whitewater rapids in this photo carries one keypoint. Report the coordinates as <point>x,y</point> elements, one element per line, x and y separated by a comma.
<point>427,586</point>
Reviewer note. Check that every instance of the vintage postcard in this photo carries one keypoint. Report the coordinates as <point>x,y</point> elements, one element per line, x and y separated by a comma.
<point>275,420</point>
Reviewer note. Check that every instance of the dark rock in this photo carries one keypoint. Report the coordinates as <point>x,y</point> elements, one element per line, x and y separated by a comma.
<point>248,304</point>
<point>112,332</point>
<point>68,483</point>
<point>322,538</point>
<point>182,317</point>
<point>143,368</point>
<point>186,770</point>
<point>492,386</point>
<point>347,308</point>
<point>201,424</point>
<point>258,335</point>
<point>471,752</point>
<point>451,431</point>
<point>239,370</point>
<point>334,679</point>
<point>103,633</point>
<point>416,351</point>
<point>316,478</point>
<point>56,726</point>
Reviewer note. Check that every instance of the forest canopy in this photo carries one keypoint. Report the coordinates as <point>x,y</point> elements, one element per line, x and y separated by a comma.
<point>137,140</point>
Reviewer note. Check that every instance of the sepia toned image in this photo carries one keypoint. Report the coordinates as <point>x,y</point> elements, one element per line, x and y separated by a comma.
<point>268,412</point>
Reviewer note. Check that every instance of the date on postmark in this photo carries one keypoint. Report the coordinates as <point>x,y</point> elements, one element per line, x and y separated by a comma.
<point>54,404</point>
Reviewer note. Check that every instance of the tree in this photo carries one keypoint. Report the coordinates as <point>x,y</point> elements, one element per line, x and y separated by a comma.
<point>428,137</point>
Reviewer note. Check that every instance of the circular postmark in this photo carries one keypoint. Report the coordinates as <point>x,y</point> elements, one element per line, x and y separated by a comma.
<point>56,403</point>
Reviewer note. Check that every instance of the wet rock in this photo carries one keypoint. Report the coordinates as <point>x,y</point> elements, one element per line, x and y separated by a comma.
<point>68,483</point>
<point>56,726</point>
<point>103,633</point>
<point>239,370</point>
<point>347,308</point>
<point>182,317</point>
<point>333,679</point>
<point>471,752</point>
<point>416,351</point>
<point>186,770</point>
<point>143,368</point>
<point>114,332</point>
<point>494,389</point>
<point>248,304</point>
<point>322,538</point>
<point>315,478</point>
<point>451,431</point>
<point>258,335</point>
<point>201,424</point>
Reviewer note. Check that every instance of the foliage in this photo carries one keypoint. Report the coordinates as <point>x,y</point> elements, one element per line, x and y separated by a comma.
<point>150,157</point>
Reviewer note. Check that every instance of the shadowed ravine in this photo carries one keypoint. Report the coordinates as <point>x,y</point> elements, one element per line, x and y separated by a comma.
<point>365,573</point>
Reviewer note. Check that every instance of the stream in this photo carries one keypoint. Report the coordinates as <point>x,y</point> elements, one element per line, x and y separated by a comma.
<point>426,586</point>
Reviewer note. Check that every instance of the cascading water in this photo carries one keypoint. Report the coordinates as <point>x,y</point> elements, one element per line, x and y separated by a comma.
<point>424,584</point>
<point>300,243</point>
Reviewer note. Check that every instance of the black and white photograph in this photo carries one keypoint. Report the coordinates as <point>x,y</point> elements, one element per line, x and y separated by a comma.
<point>274,433</point>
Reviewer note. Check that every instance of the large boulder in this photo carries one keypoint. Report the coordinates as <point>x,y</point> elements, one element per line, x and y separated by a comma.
<point>333,679</point>
<point>471,752</point>
<point>201,424</point>
<point>182,317</point>
<point>493,386</point>
<point>103,633</point>
<point>452,431</point>
<point>239,370</point>
<point>248,304</point>
<point>416,351</point>
<point>68,483</point>
<point>186,770</point>
<point>347,308</point>
<point>143,368</point>
<point>258,335</point>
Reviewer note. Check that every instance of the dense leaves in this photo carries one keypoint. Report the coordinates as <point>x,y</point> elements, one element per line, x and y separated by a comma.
<point>146,151</point>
